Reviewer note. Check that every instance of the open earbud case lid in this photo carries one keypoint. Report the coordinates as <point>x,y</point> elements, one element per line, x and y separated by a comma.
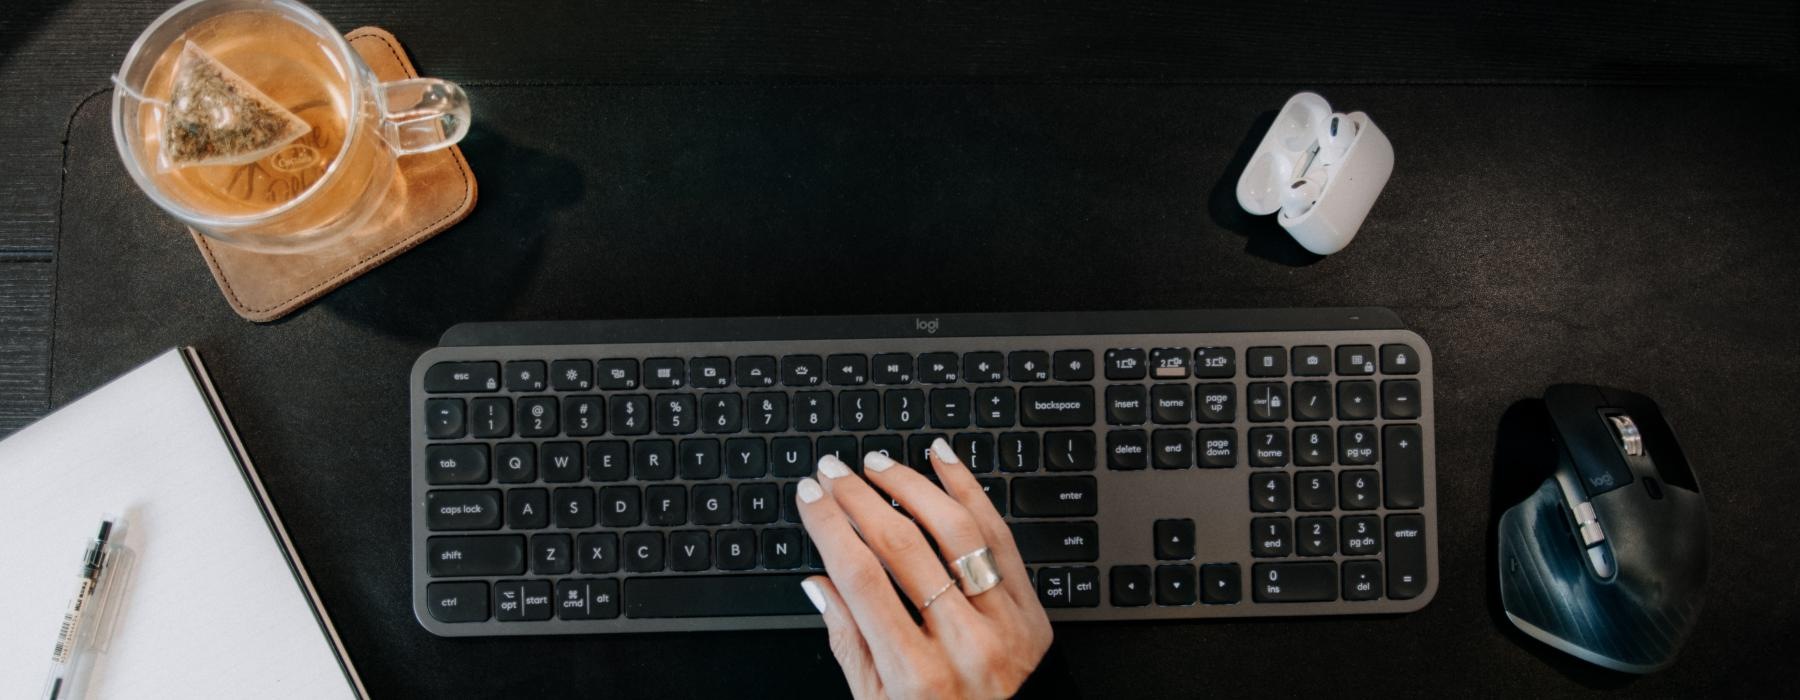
<point>1354,180</point>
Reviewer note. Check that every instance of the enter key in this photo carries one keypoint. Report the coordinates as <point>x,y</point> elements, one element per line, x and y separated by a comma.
<point>1054,497</point>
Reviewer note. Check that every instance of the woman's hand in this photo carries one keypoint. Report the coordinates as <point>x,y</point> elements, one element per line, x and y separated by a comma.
<point>980,645</point>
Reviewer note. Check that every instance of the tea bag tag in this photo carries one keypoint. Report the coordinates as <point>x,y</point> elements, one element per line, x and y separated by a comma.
<point>215,117</point>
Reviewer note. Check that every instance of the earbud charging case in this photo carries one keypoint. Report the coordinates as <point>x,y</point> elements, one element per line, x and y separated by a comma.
<point>1355,179</point>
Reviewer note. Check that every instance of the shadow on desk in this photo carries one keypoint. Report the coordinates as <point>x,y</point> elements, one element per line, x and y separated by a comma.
<point>1263,237</point>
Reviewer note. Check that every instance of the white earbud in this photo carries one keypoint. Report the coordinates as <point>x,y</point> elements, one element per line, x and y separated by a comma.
<point>1303,193</point>
<point>1335,134</point>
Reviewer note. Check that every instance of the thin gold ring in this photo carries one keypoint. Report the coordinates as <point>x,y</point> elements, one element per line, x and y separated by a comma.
<point>941,591</point>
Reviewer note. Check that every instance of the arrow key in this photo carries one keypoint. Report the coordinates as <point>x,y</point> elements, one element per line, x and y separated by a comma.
<point>1175,584</point>
<point>1174,539</point>
<point>1220,584</point>
<point>1130,586</point>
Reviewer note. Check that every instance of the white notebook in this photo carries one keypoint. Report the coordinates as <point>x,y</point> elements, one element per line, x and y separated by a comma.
<point>216,603</point>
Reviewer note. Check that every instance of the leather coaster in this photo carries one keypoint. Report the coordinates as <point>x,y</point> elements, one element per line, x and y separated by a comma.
<point>432,191</point>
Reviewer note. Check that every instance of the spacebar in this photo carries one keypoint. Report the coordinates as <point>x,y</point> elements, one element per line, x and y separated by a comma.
<point>716,596</point>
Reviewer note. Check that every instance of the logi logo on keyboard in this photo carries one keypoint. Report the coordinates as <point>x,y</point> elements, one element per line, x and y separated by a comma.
<point>929,327</point>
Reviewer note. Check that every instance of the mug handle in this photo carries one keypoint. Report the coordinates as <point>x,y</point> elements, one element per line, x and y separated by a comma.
<point>423,114</point>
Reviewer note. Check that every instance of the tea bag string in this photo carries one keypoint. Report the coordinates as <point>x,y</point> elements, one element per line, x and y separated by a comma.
<point>141,97</point>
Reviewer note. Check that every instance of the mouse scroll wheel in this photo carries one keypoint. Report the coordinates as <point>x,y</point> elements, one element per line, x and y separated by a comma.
<point>1627,433</point>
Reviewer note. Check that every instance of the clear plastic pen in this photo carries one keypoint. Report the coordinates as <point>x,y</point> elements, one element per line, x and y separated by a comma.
<point>76,633</point>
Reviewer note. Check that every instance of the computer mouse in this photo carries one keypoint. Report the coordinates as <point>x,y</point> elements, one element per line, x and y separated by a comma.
<point>1606,560</point>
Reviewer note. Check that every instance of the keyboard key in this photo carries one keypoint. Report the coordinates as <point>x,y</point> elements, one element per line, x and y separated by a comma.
<point>737,549</point>
<point>1220,584</point>
<point>716,596</point>
<point>462,510</point>
<point>1057,406</point>
<point>1218,448</point>
<point>1073,365</point>
<point>573,507</point>
<point>1131,586</point>
<point>1317,537</point>
<point>791,456</point>
<point>995,407</point>
<point>802,370</point>
<point>1355,360</point>
<point>1294,582</point>
<point>1361,535</point>
<point>561,461</point>
<point>1028,366</point>
<point>813,411</point>
<point>476,555</point>
<point>1315,491</point>
<point>1356,400</point>
<point>675,414</point>
<point>621,506</point>
<point>1069,587</point>
<point>643,553</point>
<point>522,601</point>
<point>1399,359</point>
<point>571,375</point>
<point>859,410</point>
<point>1128,449</point>
<point>1169,363</point>
<point>587,599</point>
<point>1174,539</point>
<point>665,505</point>
<point>1126,404</point>
<point>550,555</point>
<point>630,415</point>
<point>1268,401</point>
<point>583,416</point>
<point>456,464</point>
<point>608,460</point>
<point>462,377</point>
<point>847,370</point>
<point>653,460</point>
<point>1169,404</point>
<point>759,503</point>
<point>938,368</point>
<point>457,601</point>
<point>1175,585</point>
<point>699,459</point>
<point>1266,362</point>
<point>1055,497</point>
<point>844,448</point>
<point>903,409</point>
<point>490,418</point>
<point>597,553</point>
<point>949,408</point>
<point>1174,449</point>
<point>527,509</point>
<point>1271,537</point>
<point>918,452</point>
<point>1056,542</point>
<point>1217,402</point>
<point>444,419</point>
<point>1358,490</point>
<point>1215,363</point>
<point>690,550</point>
<point>1312,401</point>
<point>1312,447</point>
<point>984,367</point>
<point>709,372</point>
<point>1356,445</point>
<point>977,451</point>
<point>1362,580</point>
<point>1403,467</point>
<point>891,446</point>
<point>1069,450</point>
<point>712,504</point>
<point>1268,447</point>
<point>1312,361</point>
<point>1405,555</point>
<point>616,374</point>
<point>893,368</point>
<point>1269,493</point>
<point>746,458</point>
<point>515,462</point>
<point>721,413</point>
<point>1125,364</point>
<point>1400,399</point>
<point>768,413</point>
<point>781,548</point>
<point>756,371</point>
<point>664,373</point>
<point>537,417</point>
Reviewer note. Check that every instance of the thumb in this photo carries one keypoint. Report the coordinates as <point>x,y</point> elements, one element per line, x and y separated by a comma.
<point>847,643</point>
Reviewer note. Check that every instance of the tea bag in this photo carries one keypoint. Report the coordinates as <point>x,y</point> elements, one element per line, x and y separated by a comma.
<point>215,117</point>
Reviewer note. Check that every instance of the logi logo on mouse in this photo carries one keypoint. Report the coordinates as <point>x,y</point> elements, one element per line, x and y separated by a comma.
<point>929,327</point>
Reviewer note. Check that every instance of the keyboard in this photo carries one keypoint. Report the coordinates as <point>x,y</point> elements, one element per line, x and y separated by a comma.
<point>639,476</point>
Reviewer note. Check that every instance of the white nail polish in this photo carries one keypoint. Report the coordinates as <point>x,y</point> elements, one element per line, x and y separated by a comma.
<point>832,468</point>
<point>944,452</point>
<point>876,461</point>
<point>812,590</point>
<point>808,490</point>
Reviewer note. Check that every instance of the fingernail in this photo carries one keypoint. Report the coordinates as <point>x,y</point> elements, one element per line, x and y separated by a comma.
<point>944,452</point>
<point>808,490</point>
<point>832,467</point>
<point>812,587</point>
<point>876,461</point>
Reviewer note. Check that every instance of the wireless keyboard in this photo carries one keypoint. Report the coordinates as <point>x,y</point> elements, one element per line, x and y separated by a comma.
<point>634,476</point>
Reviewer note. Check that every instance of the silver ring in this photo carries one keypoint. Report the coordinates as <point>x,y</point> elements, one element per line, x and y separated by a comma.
<point>977,572</point>
<point>940,592</point>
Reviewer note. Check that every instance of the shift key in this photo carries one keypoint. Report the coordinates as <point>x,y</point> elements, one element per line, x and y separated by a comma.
<point>487,555</point>
<point>1056,542</point>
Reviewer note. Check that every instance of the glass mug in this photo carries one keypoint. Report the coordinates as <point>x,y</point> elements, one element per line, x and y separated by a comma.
<point>309,191</point>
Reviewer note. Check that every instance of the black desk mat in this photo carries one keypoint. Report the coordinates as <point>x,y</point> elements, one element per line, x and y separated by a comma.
<point>1637,237</point>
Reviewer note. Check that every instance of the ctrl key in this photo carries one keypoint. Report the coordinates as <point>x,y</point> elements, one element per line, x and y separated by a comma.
<point>460,601</point>
<point>1069,587</point>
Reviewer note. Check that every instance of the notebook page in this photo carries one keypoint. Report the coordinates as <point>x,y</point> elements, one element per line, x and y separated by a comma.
<point>212,609</point>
